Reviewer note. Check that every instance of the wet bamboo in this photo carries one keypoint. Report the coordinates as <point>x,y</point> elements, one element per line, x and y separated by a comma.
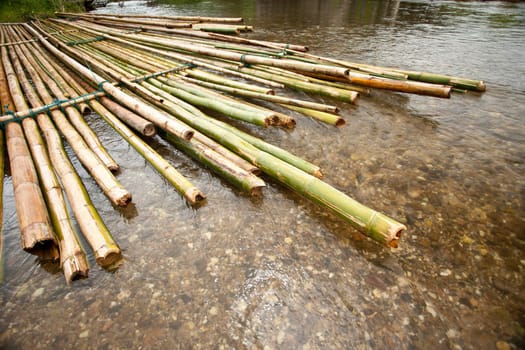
<point>191,193</point>
<point>372,223</point>
<point>87,135</point>
<point>226,169</point>
<point>324,117</point>
<point>269,148</point>
<point>106,250</point>
<point>116,193</point>
<point>93,228</point>
<point>266,97</point>
<point>233,56</point>
<point>217,29</point>
<point>36,231</point>
<point>133,120</point>
<point>159,118</point>
<point>253,116</point>
<point>157,22</point>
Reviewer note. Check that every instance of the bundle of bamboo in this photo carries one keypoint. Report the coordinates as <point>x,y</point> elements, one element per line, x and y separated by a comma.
<point>147,80</point>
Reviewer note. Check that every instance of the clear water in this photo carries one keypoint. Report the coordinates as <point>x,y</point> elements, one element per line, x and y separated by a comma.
<point>279,272</point>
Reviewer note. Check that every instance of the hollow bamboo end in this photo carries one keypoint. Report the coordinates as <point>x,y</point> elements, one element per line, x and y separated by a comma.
<point>270,92</point>
<point>354,98</point>
<point>481,86</point>
<point>340,122</point>
<point>85,110</point>
<point>194,196</point>
<point>45,250</point>
<point>114,167</point>
<point>75,267</point>
<point>108,256</point>
<point>394,235</point>
<point>188,134</point>
<point>123,198</point>
<point>149,130</point>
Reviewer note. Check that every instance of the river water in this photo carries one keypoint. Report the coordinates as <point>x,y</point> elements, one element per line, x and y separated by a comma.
<point>278,272</point>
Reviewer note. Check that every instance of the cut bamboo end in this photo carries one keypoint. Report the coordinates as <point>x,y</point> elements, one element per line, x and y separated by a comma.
<point>119,196</point>
<point>188,134</point>
<point>108,256</point>
<point>149,130</point>
<point>194,196</point>
<point>394,237</point>
<point>75,267</point>
<point>340,122</point>
<point>44,248</point>
<point>384,229</point>
<point>481,86</point>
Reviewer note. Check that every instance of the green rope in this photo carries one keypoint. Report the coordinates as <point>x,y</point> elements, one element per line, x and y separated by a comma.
<point>243,61</point>
<point>43,109</point>
<point>171,70</point>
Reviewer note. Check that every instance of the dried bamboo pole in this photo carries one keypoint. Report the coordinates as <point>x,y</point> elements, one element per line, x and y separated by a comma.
<point>233,56</point>
<point>172,18</point>
<point>88,136</point>
<point>106,250</point>
<point>116,193</point>
<point>159,118</point>
<point>192,60</point>
<point>324,117</point>
<point>138,123</point>
<point>35,226</point>
<point>3,99</point>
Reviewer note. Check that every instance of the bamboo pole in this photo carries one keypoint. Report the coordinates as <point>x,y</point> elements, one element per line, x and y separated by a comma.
<point>173,18</point>
<point>266,97</point>
<point>73,260</point>
<point>116,193</point>
<point>193,195</point>
<point>87,135</point>
<point>372,223</point>
<point>35,226</point>
<point>159,118</point>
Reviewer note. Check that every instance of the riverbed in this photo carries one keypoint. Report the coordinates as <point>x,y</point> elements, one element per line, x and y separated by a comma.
<point>279,272</point>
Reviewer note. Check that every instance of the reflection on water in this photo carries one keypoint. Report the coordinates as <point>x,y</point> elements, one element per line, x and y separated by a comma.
<point>278,272</point>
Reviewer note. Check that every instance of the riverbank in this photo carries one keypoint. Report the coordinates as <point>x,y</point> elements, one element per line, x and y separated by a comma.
<point>23,10</point>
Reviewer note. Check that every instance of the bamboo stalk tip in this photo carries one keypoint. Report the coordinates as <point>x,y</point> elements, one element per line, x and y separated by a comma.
<point>108,258</point>
<point>481,86</point>
<point>256,191</point>
<point>149,130</point>
<point>340,123</point>
<point>188,134</point>
<point>395,236</point>
<point>194,196</point>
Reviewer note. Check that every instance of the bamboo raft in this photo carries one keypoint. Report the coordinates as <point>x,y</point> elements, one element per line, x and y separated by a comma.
<point>144,75</point>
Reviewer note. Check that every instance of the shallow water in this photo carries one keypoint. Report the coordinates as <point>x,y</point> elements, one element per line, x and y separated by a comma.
<point>279,272</point>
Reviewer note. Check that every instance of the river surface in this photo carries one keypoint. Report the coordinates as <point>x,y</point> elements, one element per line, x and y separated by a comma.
<point>278,272</point>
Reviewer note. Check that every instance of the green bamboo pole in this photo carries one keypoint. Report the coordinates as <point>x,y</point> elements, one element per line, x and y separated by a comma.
<point>324,117</point>
<point>372,223</point>
<point>266,97</point>
<point>171,18</point>
<point>220,165</point>
<point>107,110</point>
